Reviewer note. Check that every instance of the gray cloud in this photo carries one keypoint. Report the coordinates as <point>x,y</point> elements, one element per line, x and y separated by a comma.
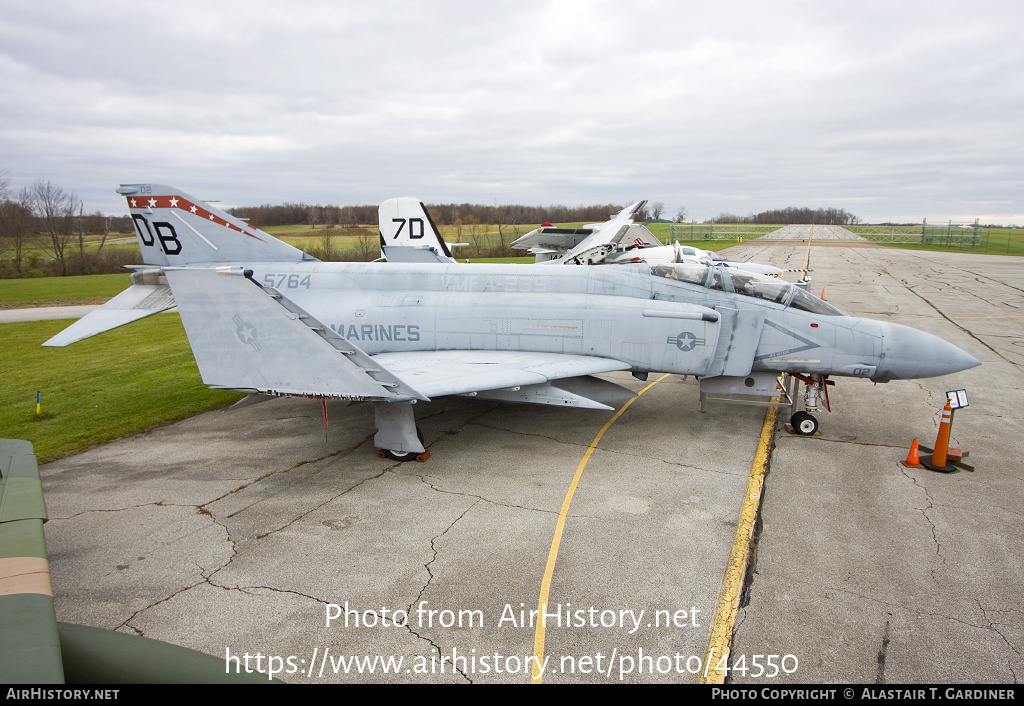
<point>892,111</point>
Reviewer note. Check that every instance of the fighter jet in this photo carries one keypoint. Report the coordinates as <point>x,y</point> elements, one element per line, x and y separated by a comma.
<point>409,235</point>
<point>265,318</point>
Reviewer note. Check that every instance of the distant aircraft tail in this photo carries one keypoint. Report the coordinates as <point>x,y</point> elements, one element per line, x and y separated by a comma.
<point>408,234</point>
<point>175,229</point>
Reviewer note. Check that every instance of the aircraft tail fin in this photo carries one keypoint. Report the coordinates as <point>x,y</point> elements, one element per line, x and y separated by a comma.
<point>175,229</point>
<point>408,233</point>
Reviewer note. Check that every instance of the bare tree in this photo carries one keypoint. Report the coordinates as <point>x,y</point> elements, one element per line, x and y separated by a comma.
<point>508,228</point>
<point>477,235</point>
<point>367,246</point>
<point>315,215</point>
<point>327,250</point>
<point>56,210</point>
<point>16,228</point>
<point>656,209</point>
<point>682,214</point>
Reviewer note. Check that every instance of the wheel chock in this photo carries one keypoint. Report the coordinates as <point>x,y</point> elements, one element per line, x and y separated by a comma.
<point>423,456</point>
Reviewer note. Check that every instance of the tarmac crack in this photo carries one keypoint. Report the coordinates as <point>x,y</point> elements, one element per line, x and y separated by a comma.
<point>931,524</point>
<point>479,498</point>
<point>329,500</point>
<point>300,464</point>
<point>603,449</point>
<point>990,627</point>
<point>913,290</point>
<point>528,433</point>
<point>430,579</point>
<point>127,621</point>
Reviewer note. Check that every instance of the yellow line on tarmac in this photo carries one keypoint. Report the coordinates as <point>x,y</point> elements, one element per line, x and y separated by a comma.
<point>720,638</point>
<point>549,568</point>
<point>807,255</point>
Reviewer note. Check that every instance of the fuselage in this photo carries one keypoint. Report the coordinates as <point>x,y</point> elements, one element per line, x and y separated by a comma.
<point>683,318</point>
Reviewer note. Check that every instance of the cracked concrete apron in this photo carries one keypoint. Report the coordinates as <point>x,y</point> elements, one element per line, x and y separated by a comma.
<point>231,533</point>
<point>872,572</point>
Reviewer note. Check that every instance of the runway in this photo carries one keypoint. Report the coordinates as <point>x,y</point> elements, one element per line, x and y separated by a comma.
<point>235,533</point>
<point>819,233</point>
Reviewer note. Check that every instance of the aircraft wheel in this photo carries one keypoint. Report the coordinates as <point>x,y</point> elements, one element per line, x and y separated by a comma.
<point>403,456</point>
<point>804,424</point>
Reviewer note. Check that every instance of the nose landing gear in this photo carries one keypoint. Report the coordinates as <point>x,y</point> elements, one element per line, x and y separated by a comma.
<point>815,387</point>
<point>804,424</point>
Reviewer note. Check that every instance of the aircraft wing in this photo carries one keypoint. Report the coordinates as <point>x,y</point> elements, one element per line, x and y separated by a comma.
<point>574,241</point>
<point>551,239</point>
<point>34,647</point>
<point>607,232</point>
<point>248,337</point>
<point>437,373</point>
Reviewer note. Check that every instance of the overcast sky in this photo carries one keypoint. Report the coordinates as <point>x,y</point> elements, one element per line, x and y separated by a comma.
<point>891,110</point>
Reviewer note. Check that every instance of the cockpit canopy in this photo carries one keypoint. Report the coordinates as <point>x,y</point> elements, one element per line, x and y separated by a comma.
<point>746,283</point>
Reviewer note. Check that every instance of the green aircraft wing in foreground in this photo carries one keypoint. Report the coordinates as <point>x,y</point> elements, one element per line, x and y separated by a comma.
<point>34,647</point>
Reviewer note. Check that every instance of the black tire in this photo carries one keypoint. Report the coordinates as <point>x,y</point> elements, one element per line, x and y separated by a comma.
<point>804,424</point>
<point>403,456</point>
<point>400,455</point>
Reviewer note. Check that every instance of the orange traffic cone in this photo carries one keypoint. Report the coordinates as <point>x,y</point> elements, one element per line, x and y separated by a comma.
<point>823,295</point>
<point>913,461</point>
<point>937,461</point>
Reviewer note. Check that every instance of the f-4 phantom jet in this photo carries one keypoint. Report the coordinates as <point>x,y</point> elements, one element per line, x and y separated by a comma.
<point>265,318</point>
<point>407,234</point>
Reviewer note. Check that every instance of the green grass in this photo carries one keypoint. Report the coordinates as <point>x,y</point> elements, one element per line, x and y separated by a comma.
<point>60,291</point>
<point>101,389</point>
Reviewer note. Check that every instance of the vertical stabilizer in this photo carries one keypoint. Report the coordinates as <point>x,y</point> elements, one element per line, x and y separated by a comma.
<point>408,234</point>
<point>175,229</point>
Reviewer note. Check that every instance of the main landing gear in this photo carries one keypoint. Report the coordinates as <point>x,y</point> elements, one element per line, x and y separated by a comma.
<point>398,437</point>
<point>405,455</point>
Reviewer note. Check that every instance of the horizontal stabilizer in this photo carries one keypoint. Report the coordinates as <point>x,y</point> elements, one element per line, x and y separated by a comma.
<point>134,303</point>
<point>414,254</point>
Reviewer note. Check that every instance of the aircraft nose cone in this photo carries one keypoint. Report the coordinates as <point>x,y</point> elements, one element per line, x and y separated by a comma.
<point>909,353</point>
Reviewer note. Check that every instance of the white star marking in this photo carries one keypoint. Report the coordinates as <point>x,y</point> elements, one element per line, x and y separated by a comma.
<point>152,203</point>
<point>211,216</point>
<point>193,209</point>
<point>174,202</point>
<point>134,204</point>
